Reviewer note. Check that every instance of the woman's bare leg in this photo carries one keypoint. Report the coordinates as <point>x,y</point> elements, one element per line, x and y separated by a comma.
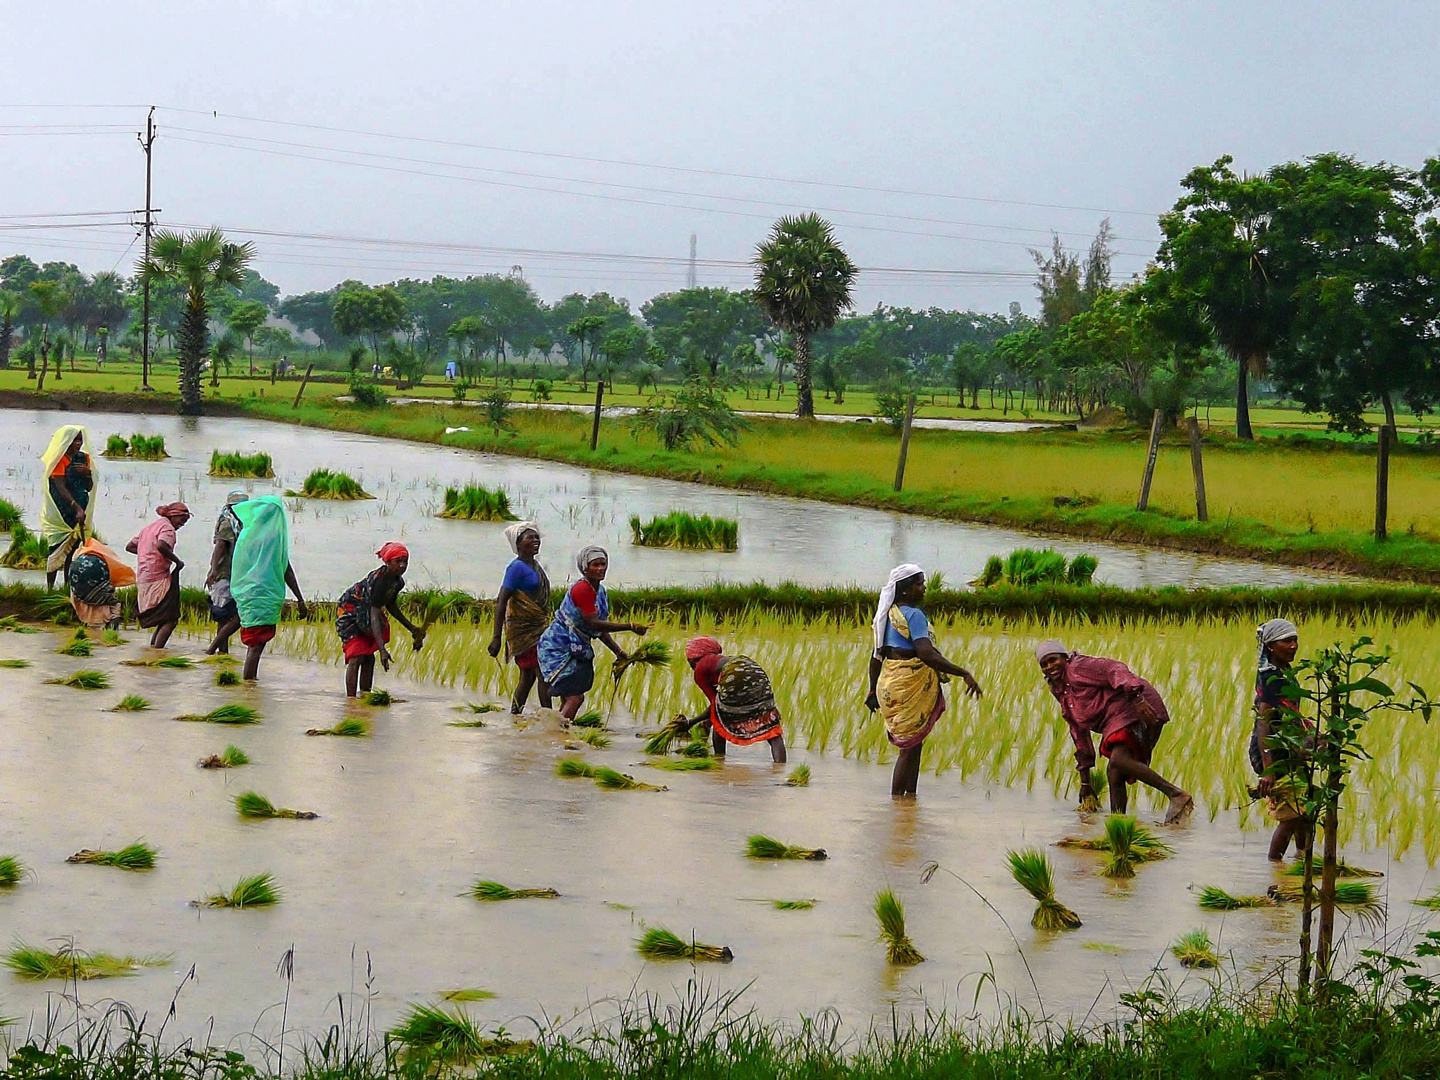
<point>223,632</point>
<point>162,634</point>
<point>906,777</point>
<point>777,749</point>
<point>522,690</point>
<point>367,673</point>
<point>571,705</point>
<point>252,662</point>
<point>717,742</point>
<point>352,677</point>
<point>1123,762</point>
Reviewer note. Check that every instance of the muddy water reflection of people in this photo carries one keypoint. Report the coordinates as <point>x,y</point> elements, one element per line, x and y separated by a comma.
<point>522,612</point>
<point>362,618</point>
<point>742,701</point>
<point>65,515</point>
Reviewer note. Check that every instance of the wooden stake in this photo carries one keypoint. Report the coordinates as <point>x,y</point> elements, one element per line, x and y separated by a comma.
<point>1382,482</point>
<point>304,379</point>
<point>1150,460</point>
<point>904,442</point>
<point>595,424</point>
<point>1197,466</point>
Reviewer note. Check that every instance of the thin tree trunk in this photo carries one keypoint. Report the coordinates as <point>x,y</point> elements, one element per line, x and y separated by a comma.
<point>1307,909</point>
<point>1385,436</point>
<point>1242,401</point>
<point>804,393</point>
<point>1324,947</point>
<point>44,366</point>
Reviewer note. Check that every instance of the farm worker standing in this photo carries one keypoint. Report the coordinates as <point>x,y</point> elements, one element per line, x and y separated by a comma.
<point>567,659</point>
<point>906,671</point>
<point>742,701</point>
<point>259,574</point>
<point>65,517</point>
<point>361,618</point>
<point>217,581</point>
<point>1279,640</point>
<point>522,611</point>
<point>157,571</point>
<point>1105,696</point>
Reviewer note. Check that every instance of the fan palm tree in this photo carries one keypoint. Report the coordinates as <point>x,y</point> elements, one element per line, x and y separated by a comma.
<point>803,280</point>
<point>199,263</point>
<point>9,305</point>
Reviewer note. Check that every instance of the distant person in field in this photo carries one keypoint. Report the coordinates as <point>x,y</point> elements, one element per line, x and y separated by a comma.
<point>66,518</point>
<point>522,612</point>
<point>1279,640</point>
<point>567,657</point>
<point>157,572</point>
<point>1104,697</point>
<point>362,618</point>
<point>906,673</point>
<point>217,581</point>
<point>260,572</point>
<point>742,701</point>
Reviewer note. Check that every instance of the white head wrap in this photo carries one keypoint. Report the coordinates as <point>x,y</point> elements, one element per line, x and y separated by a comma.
<point>903,572</point>
<point>1267,633</point>
<point>588,554</point>
<point>1049,647</point>
<point>516,530</point>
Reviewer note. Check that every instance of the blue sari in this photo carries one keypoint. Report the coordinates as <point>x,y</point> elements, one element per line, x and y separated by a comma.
<point>567,657</point>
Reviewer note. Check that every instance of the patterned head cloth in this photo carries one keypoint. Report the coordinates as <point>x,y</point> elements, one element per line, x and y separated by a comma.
<point>697,647</point>
<point>393,550</point>
<point>177,512</point>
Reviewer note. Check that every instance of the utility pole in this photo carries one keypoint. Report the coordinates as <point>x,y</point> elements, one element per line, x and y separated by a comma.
<point>690,276</point>
<point>146,143</point>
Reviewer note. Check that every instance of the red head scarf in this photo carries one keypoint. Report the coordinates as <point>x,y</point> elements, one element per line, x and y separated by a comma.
<point>695,648</point>
<point>393,550</point>
<point>174,510</point>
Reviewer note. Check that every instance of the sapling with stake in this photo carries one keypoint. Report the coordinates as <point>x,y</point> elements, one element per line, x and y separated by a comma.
<point>657,943</point>
<point>760,846</point>
<point>1032,872</point>
<point>890,913</point>
<point>136,856</point>
<point>494,890</point>
<point>251,804</point>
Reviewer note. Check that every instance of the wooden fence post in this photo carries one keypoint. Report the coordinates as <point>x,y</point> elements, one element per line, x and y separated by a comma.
<point>595,424</point>
<point>304,379</point>
<point>904,442</point>
<point>1150,460</point>
<point>1197,466</point>
<point>1382,482</point>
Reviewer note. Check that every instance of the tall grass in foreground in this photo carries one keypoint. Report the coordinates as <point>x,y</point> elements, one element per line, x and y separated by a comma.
<point>257,890</point>
<point>1032,872</point>
<point>890,914</point>
<point>448,1037</point>
<point>476,503</point>
<point>241,466</point>
<point>70,964</point>
<point>1194,950</point>
<point>325,484</point>
<point>678,529</point>
<point>136,856</point>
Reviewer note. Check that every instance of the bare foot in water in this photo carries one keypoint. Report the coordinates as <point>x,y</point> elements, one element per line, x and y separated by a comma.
<point>1180,806</point>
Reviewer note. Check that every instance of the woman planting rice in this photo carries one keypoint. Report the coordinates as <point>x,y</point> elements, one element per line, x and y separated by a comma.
<point>522,611</point>
<point>1105,696</point>
<point>157,571</point>
<point>567,659</point>
<point>1279,640</point>
<point>906,671</point>
<point>742,701</point>
<point>93,580</point>
<point>217,581</point>
<point>65,517</point>
<point>362,622</point>
<point>259,574</point>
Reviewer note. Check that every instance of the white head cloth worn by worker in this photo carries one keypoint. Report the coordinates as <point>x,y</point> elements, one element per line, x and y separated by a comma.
<point>588,554</point>
<point>1050,647</point>
<point>519,529</point>
<point>903,572</point>
<point>1269,632</point>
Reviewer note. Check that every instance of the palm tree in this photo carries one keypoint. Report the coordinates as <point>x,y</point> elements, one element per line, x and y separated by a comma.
<point>9,305</point>
<point>199,263</point>
<point>802,283</point>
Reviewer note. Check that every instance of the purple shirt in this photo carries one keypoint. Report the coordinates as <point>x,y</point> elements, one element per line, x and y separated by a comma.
<point>1100,695</point>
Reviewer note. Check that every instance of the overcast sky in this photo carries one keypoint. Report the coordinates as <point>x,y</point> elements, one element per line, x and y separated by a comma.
<point>941,137</point>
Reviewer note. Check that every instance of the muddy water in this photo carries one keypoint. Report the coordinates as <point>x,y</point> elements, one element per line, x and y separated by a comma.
<point>413,814</point>
<point>781,539</point>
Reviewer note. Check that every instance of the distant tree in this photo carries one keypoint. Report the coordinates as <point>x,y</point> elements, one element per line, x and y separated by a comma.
<point>9,305</point>
<point>49,299</point>
<point>696,412</point>
<point>623,347</point>
<point>313,312</point>
<point>362,310</point>
<point>586,329</point>
<point>972,368</point>
<point>245,318</point>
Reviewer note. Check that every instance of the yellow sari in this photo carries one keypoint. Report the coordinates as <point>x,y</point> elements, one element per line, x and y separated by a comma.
<point>909,692</point>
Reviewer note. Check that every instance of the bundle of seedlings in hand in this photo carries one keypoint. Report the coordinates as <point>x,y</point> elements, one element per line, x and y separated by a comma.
<point>493,890</point>
<point>1214,898</point>
<point>84,680</point>
<point>11,871</point>
<point>646,654</point>
<point>226,677</point>
<point>72,965</point>
<point>136,856</point>
<point>475,503</point>
<point>14,625</point>
<point>435,1035</point>
<point>614,780</point>
<point>225,714</point>
<point>1032,872</point>
<point>251,804</point>
<point>1194,950</point>
<point>378,698</point>
<point>257,890</point>
<point>890,913</point>
<point>760,846</point>
<point>681,530</point>
<point>244,466</point>
<point>1342,869</point>
<point>658,943</point>
<point>436,606</point>
<point>574,768</point>
<point>14,663</point>
<point>27,551</point>
<point>799,777</point>
<point>324,484</point>
<point>352,728</point>
<point>661,741</point>
<point>172,663</point>
<point>79,645</point>
<point>684,764</point>
<point>131,703</point>
<point>232,757</point>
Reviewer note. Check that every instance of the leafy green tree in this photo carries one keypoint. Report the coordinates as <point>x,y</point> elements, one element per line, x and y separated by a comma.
<point>9,305</point>
<point>586,329</point>
<point>372,312</point>
<point>201,263</point>
<point>312,312</point>
<point>623,347</point>
<point>711,322</point>
<point>245,318</point>
<point>803,283</point>
<point>696,412</point>
<point>49,299</point>
<point>973,367</point>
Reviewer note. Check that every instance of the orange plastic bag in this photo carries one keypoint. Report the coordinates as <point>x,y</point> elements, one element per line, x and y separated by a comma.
<point>121,575</point>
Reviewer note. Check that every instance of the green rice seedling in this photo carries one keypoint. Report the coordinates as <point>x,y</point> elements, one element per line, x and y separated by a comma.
<point>432,1034</point>
<point>1214,898</point>
<point>79,645</point>
<point>1120,832</point>
<point>225,714</point>
<point>658,943</point>
<point>469,993</point>
<point>71,964</point>
<point>1431,902</point>
<point>788,905</point>
<point>1194,950</point>
<point>590,719</point>
<point>799,777</point>
<point>54,606</point>
<point>251,804</point>
<point>1027,567</point>
<point>257,890</point>
<point>117,446</point>
<point>111,638</point>
<point>15,626</point>
<point>652,654</point>
<point>148,447</point>
<point>325,484</point>
<point>352,728</point>
<point>27,551</point>
<point>684,764</point>
<point>493,890</point>
<point>9,515</point>
<point>170,663</point>
<point>1350,893</point>
<point>614,780</point>
<point>890,913</point>
<point>11,871</point>
<point>992,574</point>
<point>761,846</point>
<point>378,698</point>
<point>434,605</point>
<point>574,768</point>
<point>1081,570</point>
<point>84,680</point>
<point>131,703</point>
<point>1032,872</point>
<point>227,677</point>
<point>242,466</point>
<point>14,663</point>
<point>1342,869</point>
<point>136,856</point>
<point>687,531</point>
<point>592,737</point>
<point>661,741</point>
<point>475,503</point>
<point>698,746</point>
<point>479,707</point>
<point>232,757</point>
<point>467,723</point>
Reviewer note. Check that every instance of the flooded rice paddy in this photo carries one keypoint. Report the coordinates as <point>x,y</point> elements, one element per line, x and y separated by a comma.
<point>781,539</point>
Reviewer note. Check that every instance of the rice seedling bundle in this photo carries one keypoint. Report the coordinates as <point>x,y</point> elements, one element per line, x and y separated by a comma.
<point>701,764</point>
<point>79,645</point>
<point>257,890</point>
<point>131,703</point>
<point>148,447</point>
<point>1214,898</point>
<point>686,531</point>
<point>698,746</point>
<point>54,606</point>
<point>435,605</point>
<point>378,698</point>
<point>657,943</point>
<point>1027,567</point>
<point>11,871</point>
<point>793,905</point>
<point>352,728</point>
<point>251,804</point>
<point>646,654</point>
<point>84,680</point>
<point>475,503</point>
<point>799,777</point>
<point>1431,902</point>
<point>592,737</point>
<point>494,890</point>
<point>226,677</point>
<point>232,757</point>
<point>1032,872</point>
<point>71,964</point>
<point>614,780</point>
<point>117,446</point>
<point>467,723</point>
<point>325,484</point>
<point>590,719</point>
<point>890,914</point>
<point>661,741</point>
<point>469,993</point>
<point>574,769</point>
<point>170,663</point>
<point>1123,846</point>
<point>247,466</point>
<point>225,714</point>
<point>136,856</point>
<point>14,663</point>
<point>27,550</point>
<point>1194,950</point>
<point>9,515</point>
<point>15,626</point>
<point>1351,893</point>
<point>111,638</point>
<point>1342,869</point>
<point>432,1034</point>
<point>760,846</point>
<point>479,707</point>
